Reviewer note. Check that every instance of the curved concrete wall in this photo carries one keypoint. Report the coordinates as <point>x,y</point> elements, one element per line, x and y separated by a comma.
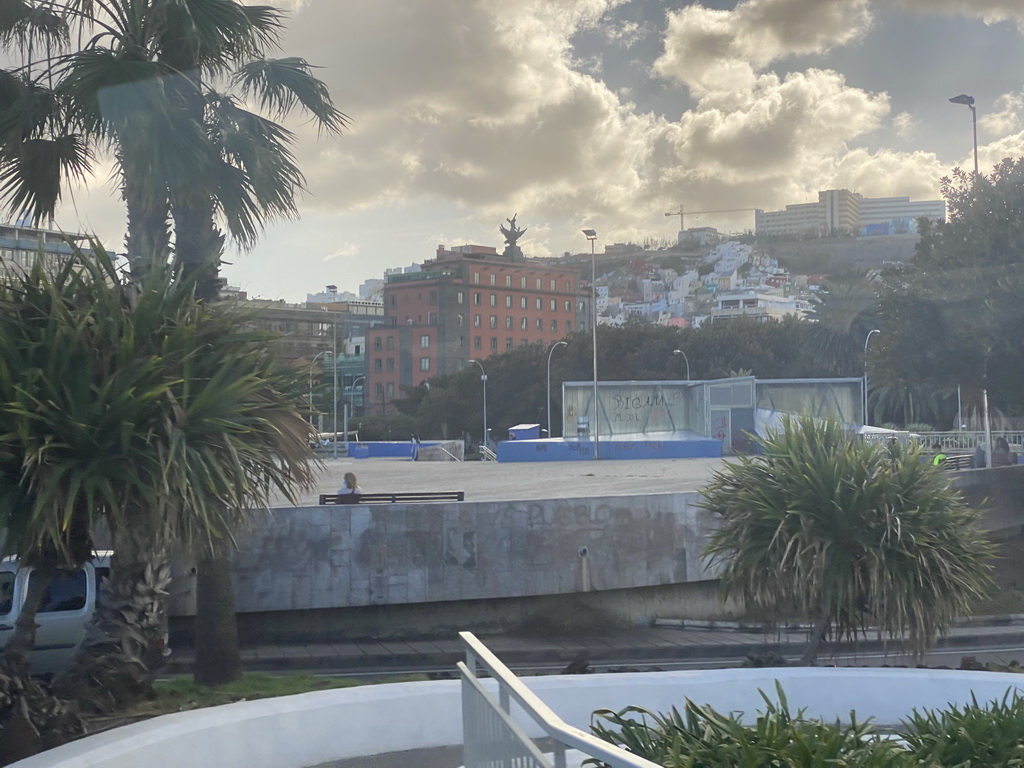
<point>394,554</point>
<point>314,728</point>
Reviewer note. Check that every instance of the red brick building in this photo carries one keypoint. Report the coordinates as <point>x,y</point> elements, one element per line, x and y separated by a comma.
<point>469,302</point>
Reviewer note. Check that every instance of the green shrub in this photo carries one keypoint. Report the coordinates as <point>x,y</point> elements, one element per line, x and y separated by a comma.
<point>990,736</point>
<point>700,737</point>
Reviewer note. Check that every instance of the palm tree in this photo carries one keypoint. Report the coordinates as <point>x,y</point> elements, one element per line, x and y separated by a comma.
<point>847,533</point>
<point>143,87</point>
<point>844,313</point>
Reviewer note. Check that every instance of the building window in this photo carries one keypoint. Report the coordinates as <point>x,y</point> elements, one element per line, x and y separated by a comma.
<point>476,278</point>
<point>433,298</point>
<point>476,299</point>
<point>540,303</point>
<point>494,344</point>
<point>390,343</point>
<point>392,321</point>
<point>424,342</point>
<point>494,321</point>
<point>522,302</point>
<point>378,389</point>
<point>476,321</point>
<point>460,297</point>
<point>568,305</point>
<point>462,341</point>
<point>554,326</point>
<point>552,285</point>
<point>508,281</point>
<point>459,319</point>
<point>391,389</point>
<point>568,327</point>
<point>394,300</point>
<point>477,343</point>
<point>508,323</point>
<point>522,282</point>
<point>391,365</point>
<point>524,324</point>
<point>431,318</point>
<point>378,365</point>
<point>376,344</point>
<point>554,305</point>
<point>424,363</point>
<point>494,279</point>
<point>508,343</point>
<point>494,299</point>
<point>540,324</point>
<point>538,283</point>
<point>508,301</point>
<point>568,286</point>
<point>523,342</point>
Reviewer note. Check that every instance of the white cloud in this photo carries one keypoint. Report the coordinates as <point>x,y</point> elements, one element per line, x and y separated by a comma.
<point>711,49</point>
<point>904,124</point>
<point>1007,117</point>
<point>989,11</point>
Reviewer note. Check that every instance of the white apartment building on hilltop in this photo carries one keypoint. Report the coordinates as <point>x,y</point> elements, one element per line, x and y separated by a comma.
<point>842,212</point>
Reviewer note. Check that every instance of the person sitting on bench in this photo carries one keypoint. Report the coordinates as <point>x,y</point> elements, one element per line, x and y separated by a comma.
<point>350,485</point>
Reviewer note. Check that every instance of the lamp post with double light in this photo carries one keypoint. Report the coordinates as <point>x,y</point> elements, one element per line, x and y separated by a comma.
<point>483,379</point>
<point>548,401</point>
<point>591,235</point>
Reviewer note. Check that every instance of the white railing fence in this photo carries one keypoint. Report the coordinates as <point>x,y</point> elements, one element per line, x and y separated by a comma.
<point>492,738</point>
<point>488,454</point>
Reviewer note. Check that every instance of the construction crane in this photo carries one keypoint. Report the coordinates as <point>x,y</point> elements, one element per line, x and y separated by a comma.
<point>681,213</point>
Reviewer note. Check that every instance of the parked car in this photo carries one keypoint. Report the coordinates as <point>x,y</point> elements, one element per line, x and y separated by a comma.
<point>68,605</point>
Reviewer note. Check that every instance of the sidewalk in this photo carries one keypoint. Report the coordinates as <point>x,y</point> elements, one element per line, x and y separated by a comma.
<point>647,645</point>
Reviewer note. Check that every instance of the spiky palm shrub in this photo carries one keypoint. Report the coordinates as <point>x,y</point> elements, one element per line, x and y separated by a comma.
<point>846,532</point>
<point>226,434</point>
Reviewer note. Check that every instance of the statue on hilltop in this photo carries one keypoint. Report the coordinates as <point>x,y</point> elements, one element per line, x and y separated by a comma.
<point>512,234</point>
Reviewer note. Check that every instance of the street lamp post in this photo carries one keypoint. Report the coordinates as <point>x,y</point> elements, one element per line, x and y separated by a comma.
<point>685,359</point>
<point>866,340</point>
<point>483,378</point>
<point>968,101</point>
<point>548,401</point>
<point>591,235</point>
<point>312,364</point>
<point>348,407</point>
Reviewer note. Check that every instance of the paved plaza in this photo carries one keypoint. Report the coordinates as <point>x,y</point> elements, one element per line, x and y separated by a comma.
<point>494,481</point>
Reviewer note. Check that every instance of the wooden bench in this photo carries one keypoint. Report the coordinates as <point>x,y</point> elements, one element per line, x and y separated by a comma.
<point>406,497</point>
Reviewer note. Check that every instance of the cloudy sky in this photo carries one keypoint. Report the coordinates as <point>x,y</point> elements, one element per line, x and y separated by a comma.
<point>609,113</point>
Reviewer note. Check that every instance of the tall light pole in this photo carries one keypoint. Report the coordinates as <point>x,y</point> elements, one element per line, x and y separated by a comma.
<point>334,323</point>
<point>483,378</point>
<point>348,407</point>
<point>312,363</point>
<point>968,101</point>
<point>870,334</point>
<point>591,235</point>
<point>686,359</point>
<point>548,401</point>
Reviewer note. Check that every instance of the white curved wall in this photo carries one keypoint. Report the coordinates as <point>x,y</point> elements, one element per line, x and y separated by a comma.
<point>314,728</point>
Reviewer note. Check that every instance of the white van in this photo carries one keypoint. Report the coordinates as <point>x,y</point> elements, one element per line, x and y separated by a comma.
<point>68,605</point>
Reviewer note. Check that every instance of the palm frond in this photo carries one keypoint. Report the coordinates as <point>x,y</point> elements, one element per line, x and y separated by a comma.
<point>280,85</point>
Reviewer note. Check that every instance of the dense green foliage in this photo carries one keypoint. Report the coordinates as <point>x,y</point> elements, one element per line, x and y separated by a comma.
<point>848,533</point>
<point>700,737</point>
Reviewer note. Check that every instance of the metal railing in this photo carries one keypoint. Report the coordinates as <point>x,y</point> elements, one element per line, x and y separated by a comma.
<point>492,739</point>
<point>488,454</point>
<point>964,440</point>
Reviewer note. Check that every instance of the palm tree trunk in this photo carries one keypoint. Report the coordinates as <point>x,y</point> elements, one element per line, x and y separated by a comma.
<point>148,239</point>
<point>125,640</point>
<point>218,659</point>
<point>810,656</point>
